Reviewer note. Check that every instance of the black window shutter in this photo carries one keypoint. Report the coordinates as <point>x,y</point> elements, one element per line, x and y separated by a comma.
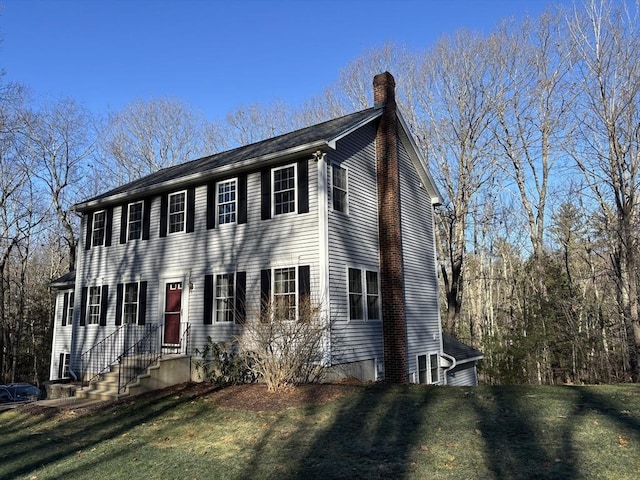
<point>265,294</point>
<point>303,186</point>
<point>266,194</point>
<point>142,303</point>
<point>108,229</point>
<point>119,300</point>
<point>211,205</point>
<point>146,218</point>
<point>304,282</point>
<point>123,223</point>
<point>104,301</point>
<point>242,198</point>
<point>208,300</point>
<point>83,307</point>
<point>241,297</point>
<point>164,213</point>
<point>65,308</point>
<point>191,209</point>
<point>61,366</point>
<point>87,241</point>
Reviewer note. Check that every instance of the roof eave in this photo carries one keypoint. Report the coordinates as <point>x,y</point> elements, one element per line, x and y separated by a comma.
<point>332,142</point>
<point>203,176</point>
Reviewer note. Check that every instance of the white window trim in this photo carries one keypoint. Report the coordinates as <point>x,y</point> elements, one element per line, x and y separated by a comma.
<point>429,368</point>
<point>66,364</point>
<point>215,298</point>
<point>346,211</point>
<point>365,294</point>
<point>295,190</point>
<point>235,202</point>
<point>124,303</point>
<point>93,228</point>
<point>295,285</point>
<point>141,203</point>
<point>89,322</point>
<point>184,212</point>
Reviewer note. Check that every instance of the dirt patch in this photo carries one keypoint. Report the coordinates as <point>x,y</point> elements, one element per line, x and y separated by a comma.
<point>253,397</point>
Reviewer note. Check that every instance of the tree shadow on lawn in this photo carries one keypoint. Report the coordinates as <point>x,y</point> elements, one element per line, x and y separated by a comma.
<point>75,434</point>
<point>370,437</point>
<point>525,440</point>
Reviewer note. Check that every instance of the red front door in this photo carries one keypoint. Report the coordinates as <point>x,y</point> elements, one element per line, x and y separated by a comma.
<point>172,308</point>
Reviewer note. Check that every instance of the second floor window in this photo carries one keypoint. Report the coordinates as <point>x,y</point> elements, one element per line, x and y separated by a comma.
<point>226,200</point>
<point>177,211</point>
<point>135,221</point>
<point>284,190</point>
<point>99,228</point>
<point>339,190</point>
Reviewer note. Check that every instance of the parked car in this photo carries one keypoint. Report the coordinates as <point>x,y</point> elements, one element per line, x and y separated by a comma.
<point>21,392</point>
<point>5,395</point>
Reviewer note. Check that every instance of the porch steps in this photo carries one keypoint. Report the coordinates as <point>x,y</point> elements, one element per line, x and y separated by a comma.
<point>168,370</point>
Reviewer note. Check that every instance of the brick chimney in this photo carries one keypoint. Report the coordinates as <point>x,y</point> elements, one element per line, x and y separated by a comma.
<point>389,233</point>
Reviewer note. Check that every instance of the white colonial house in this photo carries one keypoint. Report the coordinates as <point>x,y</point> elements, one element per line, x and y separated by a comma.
<point>341,211</point>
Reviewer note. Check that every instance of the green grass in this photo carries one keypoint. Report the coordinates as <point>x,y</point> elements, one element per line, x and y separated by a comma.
<point>375,431</point>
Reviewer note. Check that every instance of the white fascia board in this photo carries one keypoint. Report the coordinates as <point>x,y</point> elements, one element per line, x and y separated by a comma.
<point>203,176</point>
<point>419,162</point>
<point>333,141</point>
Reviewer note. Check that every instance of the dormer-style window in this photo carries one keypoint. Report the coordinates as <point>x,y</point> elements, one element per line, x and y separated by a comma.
<point>284,190</point>
<point>339,189</point>
<point>226,201</point>
<point>177,211</point>
<point>99,226</point>
<point>134,225</point>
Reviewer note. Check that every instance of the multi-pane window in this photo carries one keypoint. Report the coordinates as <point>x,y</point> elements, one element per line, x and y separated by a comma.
<point>225,298</point>
<point>284,190</point>
<point>339,190</point>
<point>93,305</point>
<point>99,228</point>
<point>226,200</point>
<point>135,221</point>
<point>364,295</point>
<point>177,212</point>
<point>284,293</point>
<point>428,368</point>
<point>356,310</point>
<point>68,313</point>
<point>130,304</point>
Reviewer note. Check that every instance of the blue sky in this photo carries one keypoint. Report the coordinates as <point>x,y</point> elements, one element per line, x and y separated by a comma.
<point>219,54</point>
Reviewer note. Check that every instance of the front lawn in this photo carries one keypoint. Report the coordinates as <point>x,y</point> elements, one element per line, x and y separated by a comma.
<point>358,431</point>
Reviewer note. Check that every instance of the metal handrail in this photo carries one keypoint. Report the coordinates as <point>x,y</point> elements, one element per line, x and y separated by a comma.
<point>138,357</point>
<point>101,356</point>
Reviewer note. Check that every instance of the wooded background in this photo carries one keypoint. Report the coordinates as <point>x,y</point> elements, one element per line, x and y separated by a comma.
<point>532,133</point>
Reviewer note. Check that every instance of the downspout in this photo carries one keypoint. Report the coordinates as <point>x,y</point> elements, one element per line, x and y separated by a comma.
<point>454,363</point>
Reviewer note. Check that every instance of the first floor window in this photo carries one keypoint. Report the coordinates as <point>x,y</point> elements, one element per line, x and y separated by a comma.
<point>364,295</point>
<point>339,188</point>
<point>226,200</point>
<point>99,226</point>
<point>225,298</point>
<point>284,293</point>
<point>130,304</point>
<point>135,221</point>
<point>177,212</point>
<point>93,305</point>
<point>284,190</point>
<point>63,365</point>
<point>435,369</point>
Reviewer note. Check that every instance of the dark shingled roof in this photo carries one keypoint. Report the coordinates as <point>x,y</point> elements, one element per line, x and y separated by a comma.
<point>66,280</point>
<point>458,350</point>
<point>325,131</point>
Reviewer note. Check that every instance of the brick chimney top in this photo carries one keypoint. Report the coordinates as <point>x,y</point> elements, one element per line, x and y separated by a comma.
<point>384,87</point>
